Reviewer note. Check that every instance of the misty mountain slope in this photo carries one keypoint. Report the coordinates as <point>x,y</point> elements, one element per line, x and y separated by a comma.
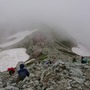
<point>52,44</point>
<point>61,74</point>
<point>47,43</point>
<point>16,38</point>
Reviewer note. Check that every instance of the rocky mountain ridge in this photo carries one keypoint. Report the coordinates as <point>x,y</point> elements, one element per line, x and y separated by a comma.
<point>52,67</point>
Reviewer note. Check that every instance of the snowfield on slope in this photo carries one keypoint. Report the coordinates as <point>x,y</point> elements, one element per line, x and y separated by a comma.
<point>10,58</point>
<point>81,50</point>
<point>18,37</point>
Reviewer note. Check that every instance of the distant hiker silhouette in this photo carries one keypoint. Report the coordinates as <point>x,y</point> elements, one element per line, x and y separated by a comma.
<point>22,73</point>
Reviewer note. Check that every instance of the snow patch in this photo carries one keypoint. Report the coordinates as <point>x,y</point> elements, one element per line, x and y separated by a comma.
<point>18,37</point>
<point>10,58</point>
<point>81,50</point>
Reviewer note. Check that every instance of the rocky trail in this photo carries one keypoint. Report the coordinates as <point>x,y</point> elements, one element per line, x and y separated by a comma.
<point>58,75</point>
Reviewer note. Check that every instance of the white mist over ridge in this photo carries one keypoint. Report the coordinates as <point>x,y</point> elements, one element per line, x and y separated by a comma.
<point>73,16</point>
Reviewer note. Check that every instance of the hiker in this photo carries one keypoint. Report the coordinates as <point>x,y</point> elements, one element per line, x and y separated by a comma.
<point>22,73</point>
<point>83,60</point>
<point>11,70</point>
<point>74,59</point>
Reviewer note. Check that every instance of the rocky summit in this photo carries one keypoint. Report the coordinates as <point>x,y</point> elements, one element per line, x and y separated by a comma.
<point>50,65</point>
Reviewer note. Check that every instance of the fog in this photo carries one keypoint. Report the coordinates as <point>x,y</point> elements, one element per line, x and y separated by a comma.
<point>72,16</point>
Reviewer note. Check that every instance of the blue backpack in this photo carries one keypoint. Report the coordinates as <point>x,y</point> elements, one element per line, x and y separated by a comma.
<point>22,74</point>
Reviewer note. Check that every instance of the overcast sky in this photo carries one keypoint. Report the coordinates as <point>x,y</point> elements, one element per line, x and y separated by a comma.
<point>71,15</point>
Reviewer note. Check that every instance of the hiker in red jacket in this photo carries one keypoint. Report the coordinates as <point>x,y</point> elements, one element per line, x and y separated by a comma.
<point>11,70</point>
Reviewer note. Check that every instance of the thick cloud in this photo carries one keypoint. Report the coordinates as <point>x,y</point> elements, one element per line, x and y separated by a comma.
<point>71,15</point>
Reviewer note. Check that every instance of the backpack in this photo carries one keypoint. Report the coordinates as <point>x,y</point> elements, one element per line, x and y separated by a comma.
<point>84,61</point>
<point>22,75</point>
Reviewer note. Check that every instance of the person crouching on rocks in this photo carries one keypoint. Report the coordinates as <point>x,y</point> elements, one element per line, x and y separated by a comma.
<point>83,60</point>
<point>11,70</point>
<point>22,73</point>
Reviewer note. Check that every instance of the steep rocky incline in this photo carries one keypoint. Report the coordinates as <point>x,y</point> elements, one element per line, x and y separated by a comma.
<point>58,75</point>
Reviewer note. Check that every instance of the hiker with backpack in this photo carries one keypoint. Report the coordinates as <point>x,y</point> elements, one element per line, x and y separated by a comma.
<point>22,73</point>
